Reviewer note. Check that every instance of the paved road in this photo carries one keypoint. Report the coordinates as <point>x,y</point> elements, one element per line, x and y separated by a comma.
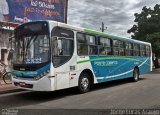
<point>121,94</point>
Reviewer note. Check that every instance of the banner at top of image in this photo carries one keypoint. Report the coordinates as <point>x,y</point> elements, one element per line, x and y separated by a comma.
<point>21,11</point>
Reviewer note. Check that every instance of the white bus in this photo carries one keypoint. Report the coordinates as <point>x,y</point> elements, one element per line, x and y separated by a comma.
<point>50,56</point>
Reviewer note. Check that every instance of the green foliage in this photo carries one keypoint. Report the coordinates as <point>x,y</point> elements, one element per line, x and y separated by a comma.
<point>147,27</point>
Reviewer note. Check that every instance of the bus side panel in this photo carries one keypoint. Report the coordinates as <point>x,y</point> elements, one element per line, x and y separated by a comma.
<point>145,68</point>
<point>67,74</point>
<point>83,62</point>
<point>113,68</point>
<point>62,80</point>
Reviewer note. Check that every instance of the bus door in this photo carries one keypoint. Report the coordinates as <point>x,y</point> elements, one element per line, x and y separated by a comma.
<point>62,55</point>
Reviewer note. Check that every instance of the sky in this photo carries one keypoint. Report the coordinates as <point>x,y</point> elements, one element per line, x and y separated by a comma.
<point>118,15</point>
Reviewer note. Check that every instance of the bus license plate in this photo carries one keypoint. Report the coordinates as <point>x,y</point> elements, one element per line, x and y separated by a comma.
<point>22,84</point>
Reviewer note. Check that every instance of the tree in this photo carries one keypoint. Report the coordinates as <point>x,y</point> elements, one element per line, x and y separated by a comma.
<point>147,28</point>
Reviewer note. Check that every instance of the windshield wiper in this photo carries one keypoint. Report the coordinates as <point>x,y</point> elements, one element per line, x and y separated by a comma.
<point>26,43</point>
<point>29,42</point>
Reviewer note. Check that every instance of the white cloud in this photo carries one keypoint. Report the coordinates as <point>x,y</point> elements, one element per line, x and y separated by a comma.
<point>118,15</point>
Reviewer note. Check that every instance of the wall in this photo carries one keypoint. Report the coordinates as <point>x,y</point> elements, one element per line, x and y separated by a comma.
<point>4,44</point>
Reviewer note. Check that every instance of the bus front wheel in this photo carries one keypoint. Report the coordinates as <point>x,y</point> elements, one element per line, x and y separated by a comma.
<point>135,75</point>
<point>84,83</point>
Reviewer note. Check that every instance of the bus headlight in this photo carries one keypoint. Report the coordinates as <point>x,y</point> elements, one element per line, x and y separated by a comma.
<point>14,76</point>
<point>41,75</point>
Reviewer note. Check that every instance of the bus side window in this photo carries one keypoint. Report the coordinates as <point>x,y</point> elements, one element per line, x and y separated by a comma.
<point>142,50</point>
<point>82,44</point>
<point>82,49</point>
<point>148,52</point>
<point>129,49</point>
<point>136,50</point>
<point>105,47</point>
<point>91,41</point>
<point>122,48</point>
<point>81,38</point>
<point>93,50</point>
<point>116,47</point>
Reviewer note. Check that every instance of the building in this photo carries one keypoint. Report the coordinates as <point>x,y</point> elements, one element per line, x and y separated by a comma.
<point>6,31</point>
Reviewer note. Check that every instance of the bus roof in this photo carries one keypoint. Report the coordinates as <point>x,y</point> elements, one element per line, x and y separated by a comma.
<point>90,31</point>
<point>115,37</point>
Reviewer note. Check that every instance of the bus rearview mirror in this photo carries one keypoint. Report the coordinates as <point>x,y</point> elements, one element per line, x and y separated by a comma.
<point>59,44</point>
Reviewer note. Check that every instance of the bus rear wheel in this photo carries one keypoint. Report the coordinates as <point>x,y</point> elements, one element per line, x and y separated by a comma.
<point>84,83</point>
<point>135,77</point>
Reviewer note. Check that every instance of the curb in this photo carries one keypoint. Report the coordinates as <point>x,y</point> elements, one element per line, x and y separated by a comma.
<point>156,70</point>
<point>9,88</point>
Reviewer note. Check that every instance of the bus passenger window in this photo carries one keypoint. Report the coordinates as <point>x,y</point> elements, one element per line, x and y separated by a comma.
<point>136,50</point>
<point>93,50</point>
<point>102,51</point>
<point>148,52</point>
<point>121,52</point>
<point>121,48</point>
<point>81,38</point>
<point>129,49</point>
<point>82,49</point>
<point>105,47</point>
<point>67,47</point>
<point>142,50</point>
<point>116,51</point>
<point>91,39</point>
<point>105,51</point>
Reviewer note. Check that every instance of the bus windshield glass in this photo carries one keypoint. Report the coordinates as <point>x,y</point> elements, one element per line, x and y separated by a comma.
<point>31,44</point>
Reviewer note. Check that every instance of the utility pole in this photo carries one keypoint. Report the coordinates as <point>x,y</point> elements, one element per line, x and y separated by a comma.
<point>66,11</point>
<point>103,28</point>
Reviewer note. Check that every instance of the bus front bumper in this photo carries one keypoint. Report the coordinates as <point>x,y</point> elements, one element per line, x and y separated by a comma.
<point>43,84</point>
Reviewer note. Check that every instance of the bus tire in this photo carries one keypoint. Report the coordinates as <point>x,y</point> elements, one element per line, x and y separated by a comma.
<point>135,77</point>
<point>84,83</point>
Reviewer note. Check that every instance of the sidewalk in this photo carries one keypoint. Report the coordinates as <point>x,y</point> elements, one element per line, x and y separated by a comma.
<point>156,70</point>
<point>7,88</point>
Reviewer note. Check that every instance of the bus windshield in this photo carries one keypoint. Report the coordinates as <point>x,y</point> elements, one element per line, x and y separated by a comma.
<point>31,44</point>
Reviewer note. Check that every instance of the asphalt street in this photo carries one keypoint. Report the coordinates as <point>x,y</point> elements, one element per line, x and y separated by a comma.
<point>121,94</point>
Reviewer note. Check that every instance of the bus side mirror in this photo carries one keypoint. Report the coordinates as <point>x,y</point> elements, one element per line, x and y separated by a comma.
<point>59,47</point>
<point>59,44</point>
